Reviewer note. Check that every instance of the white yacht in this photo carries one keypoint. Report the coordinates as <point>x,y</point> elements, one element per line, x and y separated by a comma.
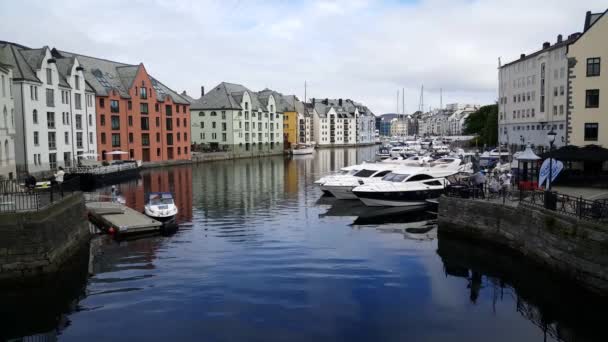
<point>341,187</point>
<point>344,172</point>
<point>303,149</point>
<point>402,188</point>
<point>161,206</point>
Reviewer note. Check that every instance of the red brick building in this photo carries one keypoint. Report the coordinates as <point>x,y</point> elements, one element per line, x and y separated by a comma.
<point>138,117</point>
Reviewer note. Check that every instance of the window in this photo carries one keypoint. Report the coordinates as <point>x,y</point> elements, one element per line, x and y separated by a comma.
<point>50,120</point>
<point>169,123</point>
<point>177,108</point>
<point>145,124</point>
<point>542,87</point>
<point>561,109</point>
<point>158,152</point>
<point>115,140</point>
<point>114,106</point>
<point>185,122</point>
<point>78,139</point>
<point>145,139</point>
<point>129,105</point>
<point>143,108</point>
<point>67,158</point>
<point>213,114</point>
<point>115,122</point>
<point>34,93</point>
<point>130,120</point>
<point>90,119</point>
<point>555,91</point>
<point>52,142</point>
<point>157,122</point>
<point>591,130</point>
<point>554,110</point>
<point>223,114</point>
<point>169,138</point>
<point>224,126</point>
<point>179,136</point>
<point>593,66</point>
<point>185,136</point>
<point>102,120</point>
<point>102,103</point>
<point>177,121</point>
<point>49,76</point>
<point>157,137</point>
<point>561,90</point>
<point>201,113</point>
<point>36,139</point>
<point>562,72</point>
<point>592,98</point>
<point>35,116</point>
<point>77,82</point>
<point>130,138</point>
<point>168,110</point>
<point>103,138</point>
<point>143,93</point>
<point>90,137</point>
<point>50,98</point>
<point>78,101</point>
<point>52,160</point>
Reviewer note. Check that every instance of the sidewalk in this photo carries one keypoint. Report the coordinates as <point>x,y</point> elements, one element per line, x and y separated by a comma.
<point>587,193</point>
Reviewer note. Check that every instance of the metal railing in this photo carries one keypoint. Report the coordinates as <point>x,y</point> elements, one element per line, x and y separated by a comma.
<point>17,197</point>
<point>583,209</point>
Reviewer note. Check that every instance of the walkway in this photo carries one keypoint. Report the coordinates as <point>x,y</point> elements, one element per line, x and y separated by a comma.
<point>587,193</point>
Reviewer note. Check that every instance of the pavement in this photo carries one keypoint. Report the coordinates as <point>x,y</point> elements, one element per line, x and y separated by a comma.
<point>587,193</point>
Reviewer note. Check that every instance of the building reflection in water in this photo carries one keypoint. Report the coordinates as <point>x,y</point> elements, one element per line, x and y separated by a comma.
<point>177,180</point>
<point>562,310</point>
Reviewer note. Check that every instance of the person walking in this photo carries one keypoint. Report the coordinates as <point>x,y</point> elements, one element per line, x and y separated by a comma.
<point>59,176</point>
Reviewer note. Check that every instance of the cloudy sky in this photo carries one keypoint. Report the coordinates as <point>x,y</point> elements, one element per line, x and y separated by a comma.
<point>359,49</point>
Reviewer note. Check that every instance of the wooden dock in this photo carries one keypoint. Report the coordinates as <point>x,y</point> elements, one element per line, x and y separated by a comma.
<point>124,219</point>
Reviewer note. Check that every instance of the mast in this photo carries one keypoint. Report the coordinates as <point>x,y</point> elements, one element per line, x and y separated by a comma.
<point>440,98</point>
<point>304,91</point>
<point>403,111</point>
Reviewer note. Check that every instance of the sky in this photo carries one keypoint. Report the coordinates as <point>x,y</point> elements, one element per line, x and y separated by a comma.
<point>358,49</point>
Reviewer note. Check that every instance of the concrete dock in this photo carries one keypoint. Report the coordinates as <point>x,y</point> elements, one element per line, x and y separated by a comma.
<point>124,219</point>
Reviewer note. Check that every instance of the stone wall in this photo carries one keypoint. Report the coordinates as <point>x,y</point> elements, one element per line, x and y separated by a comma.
<point>576,248</point>
<point>36,243</point>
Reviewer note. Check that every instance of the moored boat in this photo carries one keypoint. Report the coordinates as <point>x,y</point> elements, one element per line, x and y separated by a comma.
<point>303,149</point>
<point>161,206</point>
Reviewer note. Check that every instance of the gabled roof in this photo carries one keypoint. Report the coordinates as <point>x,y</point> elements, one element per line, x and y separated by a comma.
<point>590,20</point>
<point>11,54</point>
<point>219,97</point>
<point>104,75</point>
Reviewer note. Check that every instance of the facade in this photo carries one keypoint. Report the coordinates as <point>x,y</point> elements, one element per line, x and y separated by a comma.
<point>231,117</point>
<point>305,121</point>
<point>588,67</point>
<point>138,118</point>
<point>456,121</point>
<point>533,97</point>
<point>366,125</point>
<point>399,127</point>
<point>7,124</point>
<point>335,122</point>
<point>54,109</point>
<point>290,120</point>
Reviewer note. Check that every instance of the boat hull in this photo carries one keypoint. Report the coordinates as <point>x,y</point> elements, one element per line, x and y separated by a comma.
<point>342,192</point>
<point>397,199</point>
<point>302,151</point>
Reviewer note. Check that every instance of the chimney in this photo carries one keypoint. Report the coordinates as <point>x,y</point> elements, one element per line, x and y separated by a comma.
<point>326,102</point>
<point>546,45</point>
<point>202,91</point>
<point>559,38</point>
<point>522,56</point>
<point>340,102</point>
<point>184,93</point>
<point>313,101</point>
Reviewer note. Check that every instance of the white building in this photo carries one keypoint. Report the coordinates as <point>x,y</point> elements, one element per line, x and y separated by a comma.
<point>305,123</point>
<point>399,127</point>
<point>7,124</point>
<point>231,117</point>
<point>54,109</point>
<point>341,122</point>
<point>456,121</point>
<point>533,96</point>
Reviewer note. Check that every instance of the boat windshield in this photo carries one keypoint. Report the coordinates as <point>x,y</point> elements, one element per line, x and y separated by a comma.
<point>160,199</point>
<point>364,173</point>
<point>442,161</point>
<point>395,177</point>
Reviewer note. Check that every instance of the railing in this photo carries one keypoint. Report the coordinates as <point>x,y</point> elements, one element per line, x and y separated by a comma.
<point>101,170</point>
<point>23,199</point>
<point>583,209</point>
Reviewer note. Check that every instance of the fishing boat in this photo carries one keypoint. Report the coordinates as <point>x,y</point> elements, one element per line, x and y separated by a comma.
<point>161,206</point>
<point>303,149</point>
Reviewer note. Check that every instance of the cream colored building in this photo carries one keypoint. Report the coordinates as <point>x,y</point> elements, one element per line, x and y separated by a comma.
<point>588,83</point>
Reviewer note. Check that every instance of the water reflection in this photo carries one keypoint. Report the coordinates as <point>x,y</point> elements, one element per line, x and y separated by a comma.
<point>560,309</point>
<point>267,259</point>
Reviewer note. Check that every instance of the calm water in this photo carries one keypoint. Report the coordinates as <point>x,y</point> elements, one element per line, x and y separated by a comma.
<point>261,257</point>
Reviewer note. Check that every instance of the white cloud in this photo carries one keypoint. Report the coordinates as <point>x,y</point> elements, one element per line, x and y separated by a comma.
<point>364,50</point>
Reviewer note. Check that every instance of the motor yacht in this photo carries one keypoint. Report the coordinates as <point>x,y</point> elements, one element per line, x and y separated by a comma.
<point>303,149</point>
<point>402,188</point>
<point>341,187</point>
<point>161,206</point>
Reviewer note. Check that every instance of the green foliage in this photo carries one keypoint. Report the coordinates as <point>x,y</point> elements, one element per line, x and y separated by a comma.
<point>484,124</point>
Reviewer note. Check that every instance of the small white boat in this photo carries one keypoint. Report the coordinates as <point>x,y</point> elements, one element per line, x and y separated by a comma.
<point>161,206</point>
<point>303,149</point>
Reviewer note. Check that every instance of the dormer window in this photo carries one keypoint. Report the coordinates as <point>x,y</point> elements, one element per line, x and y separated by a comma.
<point>49,76</point>
<point>77,82</point>
<point>272,108</point>
<point>246,105</point>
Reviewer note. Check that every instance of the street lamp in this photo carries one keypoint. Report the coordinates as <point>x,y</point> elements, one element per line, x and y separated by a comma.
<point>551,138</point>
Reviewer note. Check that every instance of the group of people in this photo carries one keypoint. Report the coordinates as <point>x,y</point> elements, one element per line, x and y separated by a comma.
<point>496,182</point>
<point>57,179</point>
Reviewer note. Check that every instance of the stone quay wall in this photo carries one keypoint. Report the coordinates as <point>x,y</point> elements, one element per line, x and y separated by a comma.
<point>39,242</point>
<point>575,248</point>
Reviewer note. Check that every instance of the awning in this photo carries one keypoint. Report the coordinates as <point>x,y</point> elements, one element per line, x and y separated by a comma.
<point>594,153</point>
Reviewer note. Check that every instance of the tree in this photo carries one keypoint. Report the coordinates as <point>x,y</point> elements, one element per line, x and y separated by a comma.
<point>484,124</point>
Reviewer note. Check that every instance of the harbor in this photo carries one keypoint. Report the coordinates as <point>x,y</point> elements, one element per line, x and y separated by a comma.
<point>321,254</point>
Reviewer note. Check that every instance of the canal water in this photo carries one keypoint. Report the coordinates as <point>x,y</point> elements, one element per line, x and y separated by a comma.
<point>261,256</point>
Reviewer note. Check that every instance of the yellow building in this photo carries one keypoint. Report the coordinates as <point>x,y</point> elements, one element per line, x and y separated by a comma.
<point>588,75</point>
<point>290,128</point>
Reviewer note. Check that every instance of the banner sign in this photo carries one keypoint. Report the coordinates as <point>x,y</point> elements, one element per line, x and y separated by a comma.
<point>543,175</point>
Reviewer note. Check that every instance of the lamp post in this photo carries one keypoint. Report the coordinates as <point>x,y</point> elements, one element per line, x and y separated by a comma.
<point>551,137</point>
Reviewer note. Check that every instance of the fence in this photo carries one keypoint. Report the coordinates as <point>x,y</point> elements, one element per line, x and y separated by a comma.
<point>593,210</point>
<point>15,197</point>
